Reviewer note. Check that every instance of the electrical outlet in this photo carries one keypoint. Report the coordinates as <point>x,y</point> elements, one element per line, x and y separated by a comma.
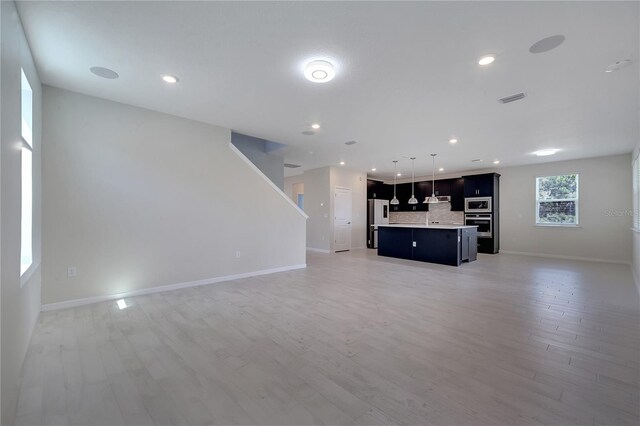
<point>72,271</point>
<point>237,254</point>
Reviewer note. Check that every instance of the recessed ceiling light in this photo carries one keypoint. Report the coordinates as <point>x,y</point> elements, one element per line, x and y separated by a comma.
<point>441,169</point>
<point>170,78</point>
<point>486,60</point>
<point>545,152</point>
<point>315,126</point>
<point>319,71</point>
<point>373,170</point>
<point>496,162</point>
<point>342,163</point>
<point>399,174</point>
<point>453,140</point>
<point>104,72</point>
<point>617,65</point>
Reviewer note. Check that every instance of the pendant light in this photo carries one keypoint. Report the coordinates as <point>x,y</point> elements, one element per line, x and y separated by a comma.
<point>413,199</point>
<point>433,199</point>
<point>395,174</point>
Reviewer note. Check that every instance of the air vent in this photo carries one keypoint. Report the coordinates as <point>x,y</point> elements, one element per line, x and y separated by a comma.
<point>477,160</point>
<point>351,143</point>
<point>512,98</point>
<point>291,166</point>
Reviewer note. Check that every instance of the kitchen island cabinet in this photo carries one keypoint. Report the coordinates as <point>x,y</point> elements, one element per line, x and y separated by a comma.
<point>442,244</point>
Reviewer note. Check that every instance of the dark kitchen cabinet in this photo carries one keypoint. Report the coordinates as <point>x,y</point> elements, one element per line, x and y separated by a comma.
<point>480,185</point>
<point>403,193</point>
<point>457,195</point>
<point>434,245</point>
<point>378,190</point>
<point>443,187</point>
<point>395,242</point>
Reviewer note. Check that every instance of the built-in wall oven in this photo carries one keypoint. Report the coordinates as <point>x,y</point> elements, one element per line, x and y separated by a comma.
<point>477,205</point>
<point>483,221</point>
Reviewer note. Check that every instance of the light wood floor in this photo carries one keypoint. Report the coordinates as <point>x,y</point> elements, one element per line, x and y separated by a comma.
<point>353,339</point>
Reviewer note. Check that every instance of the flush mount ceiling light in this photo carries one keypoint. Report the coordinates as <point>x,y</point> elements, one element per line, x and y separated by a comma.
<point>373,170</point>
<point>394,200</point>
<point>433,199</point>
<point>399,174</point>
<point>342,163</point>
<point>104,72</point>
<point>453,140</point>
<point>315,126</point>
<point>319,71</point>
<point>546,152</point>
<point>496,162</point>
<point>171,79</point>
<point>617,65</point>
<point>486,60</point>
<point>441,169</point>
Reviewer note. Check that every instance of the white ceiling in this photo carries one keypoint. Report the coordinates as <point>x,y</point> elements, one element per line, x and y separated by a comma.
<point>407,75</point>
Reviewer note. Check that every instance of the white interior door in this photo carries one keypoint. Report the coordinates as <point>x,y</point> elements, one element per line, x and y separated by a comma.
<point>342,219</point>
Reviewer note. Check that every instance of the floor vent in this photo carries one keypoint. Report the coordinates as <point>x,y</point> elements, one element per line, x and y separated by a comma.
<point>512,98</point>
<point>291,166</point>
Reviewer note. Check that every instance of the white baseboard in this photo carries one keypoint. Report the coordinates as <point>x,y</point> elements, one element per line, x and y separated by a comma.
<point>558,256</point>
<point>169,287</point>
<point>318,250</point>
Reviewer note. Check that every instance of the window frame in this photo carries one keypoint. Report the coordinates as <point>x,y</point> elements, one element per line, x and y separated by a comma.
<point>636,192</point>
<point>576,201</point>
<point>26,270</point>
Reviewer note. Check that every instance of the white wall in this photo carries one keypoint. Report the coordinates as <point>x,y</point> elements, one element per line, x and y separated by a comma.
<point>20,302</point>
<point>319,188</point>
<point>294,185</point>
<point>357,182</point>
<point>137,199</point>
<point>605,186</point>
<point>316,205</point>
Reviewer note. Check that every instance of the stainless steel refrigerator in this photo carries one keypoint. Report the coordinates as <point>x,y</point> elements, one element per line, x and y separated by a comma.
<point>377,214</point>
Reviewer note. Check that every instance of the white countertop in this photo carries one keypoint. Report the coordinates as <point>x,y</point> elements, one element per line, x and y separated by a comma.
<point>420,225</point>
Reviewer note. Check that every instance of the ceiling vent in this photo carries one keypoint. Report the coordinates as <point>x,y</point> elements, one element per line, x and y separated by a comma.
<point>291,166</point>
<point>351,143</point>
<point>512,98</point>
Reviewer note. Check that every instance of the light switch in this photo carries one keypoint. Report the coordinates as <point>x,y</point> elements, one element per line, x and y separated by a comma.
<point>414,244</point>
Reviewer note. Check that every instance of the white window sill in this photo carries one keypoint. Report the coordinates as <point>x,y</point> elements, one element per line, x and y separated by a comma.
<point>539,225</point>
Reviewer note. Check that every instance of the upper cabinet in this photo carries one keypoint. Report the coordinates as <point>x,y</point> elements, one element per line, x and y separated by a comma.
<point>457,195</point>
<point>480,185</point>
<point>377,189</point>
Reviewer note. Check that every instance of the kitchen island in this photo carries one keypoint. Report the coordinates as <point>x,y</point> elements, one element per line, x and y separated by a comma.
<point>443,244</point>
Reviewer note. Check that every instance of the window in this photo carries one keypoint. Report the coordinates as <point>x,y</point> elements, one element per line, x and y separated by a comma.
<point>26,217</point>
<point>557,200</point>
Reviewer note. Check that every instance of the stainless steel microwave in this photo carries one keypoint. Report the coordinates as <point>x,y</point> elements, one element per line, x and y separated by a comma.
<point>477,205</point>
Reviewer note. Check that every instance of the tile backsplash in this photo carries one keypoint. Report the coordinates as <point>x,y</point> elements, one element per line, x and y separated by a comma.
<point>440,212</point>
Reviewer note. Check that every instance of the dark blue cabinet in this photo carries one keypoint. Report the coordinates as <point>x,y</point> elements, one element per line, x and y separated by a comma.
<point>479,185</point>
<point>433,245</point>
